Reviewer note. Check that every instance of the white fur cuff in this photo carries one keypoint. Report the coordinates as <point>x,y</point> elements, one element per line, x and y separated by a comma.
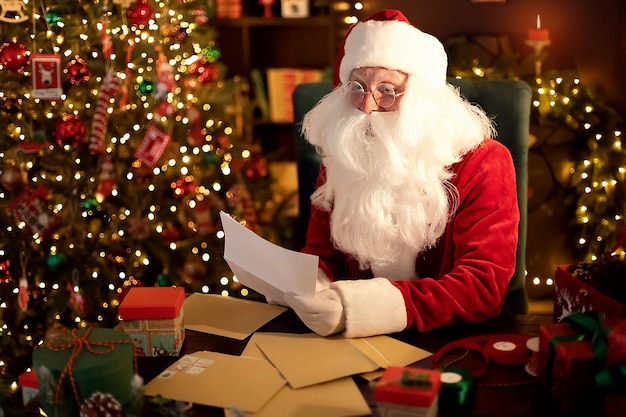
<point>371,307</point>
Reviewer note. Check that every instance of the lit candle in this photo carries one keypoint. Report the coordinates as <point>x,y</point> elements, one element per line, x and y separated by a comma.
<point>538,34</point>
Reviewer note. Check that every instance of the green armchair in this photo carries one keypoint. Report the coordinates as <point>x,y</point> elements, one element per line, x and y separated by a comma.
<point>507,101</point>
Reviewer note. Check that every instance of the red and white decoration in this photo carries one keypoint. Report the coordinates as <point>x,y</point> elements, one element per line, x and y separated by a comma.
<point>152,146</point>
<point>106,179</point>
<point>110,87</point>
<point>31,208</point>
<point>46,77</point>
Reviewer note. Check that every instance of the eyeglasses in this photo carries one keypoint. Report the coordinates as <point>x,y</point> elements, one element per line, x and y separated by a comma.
<point>384,95</point>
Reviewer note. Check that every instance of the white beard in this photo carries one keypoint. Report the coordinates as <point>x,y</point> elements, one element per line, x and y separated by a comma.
<point>387,174</point>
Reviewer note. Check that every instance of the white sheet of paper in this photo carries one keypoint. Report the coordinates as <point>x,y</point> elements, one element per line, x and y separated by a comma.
<point>265,267</point>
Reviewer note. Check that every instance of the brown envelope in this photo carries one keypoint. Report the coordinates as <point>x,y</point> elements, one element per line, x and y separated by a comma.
<point>218,380</point>
<point>387,351</point>
<point>337,398</point>
<point>307,359</point>
<point>227,316</point>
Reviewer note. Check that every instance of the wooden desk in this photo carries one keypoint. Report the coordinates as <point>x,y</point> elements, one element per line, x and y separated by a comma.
<point>520,400</point>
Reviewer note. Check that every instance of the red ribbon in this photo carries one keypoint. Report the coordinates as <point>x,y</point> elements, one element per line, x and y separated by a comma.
<point>490,347</point>
<point>77,343</point>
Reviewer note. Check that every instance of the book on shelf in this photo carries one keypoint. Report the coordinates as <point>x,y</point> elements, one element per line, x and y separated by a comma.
<point>281,82</point>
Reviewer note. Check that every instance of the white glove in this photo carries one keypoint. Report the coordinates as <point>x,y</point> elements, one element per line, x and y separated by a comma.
<point>323,313</point>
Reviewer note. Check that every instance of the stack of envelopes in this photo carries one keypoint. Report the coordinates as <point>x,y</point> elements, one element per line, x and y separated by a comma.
<point>277,374</point>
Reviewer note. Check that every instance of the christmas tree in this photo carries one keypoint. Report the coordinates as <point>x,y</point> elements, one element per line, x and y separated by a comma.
<point>122,139</point>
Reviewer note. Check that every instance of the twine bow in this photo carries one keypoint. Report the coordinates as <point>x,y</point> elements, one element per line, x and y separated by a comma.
<point>77,343</point>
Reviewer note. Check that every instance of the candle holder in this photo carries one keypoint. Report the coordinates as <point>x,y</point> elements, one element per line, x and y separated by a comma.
<point>538,45</point>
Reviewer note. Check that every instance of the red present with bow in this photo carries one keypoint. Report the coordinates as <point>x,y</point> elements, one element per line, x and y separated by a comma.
<point>570,355</point>
<point>612,379</point>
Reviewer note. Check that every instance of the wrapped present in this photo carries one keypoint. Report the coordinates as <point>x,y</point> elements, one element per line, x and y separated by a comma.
<point>28,381</point>
<point>408,392</point>
<point>612,379</point>
<point>570,355</point>
<point>588,287</point>
<point>153,318</point>
<point>74,365</point>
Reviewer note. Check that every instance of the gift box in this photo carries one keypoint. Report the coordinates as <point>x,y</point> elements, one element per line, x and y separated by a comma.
<point>74,365</point>
<point>567,363</point>
<point>612,379</point>
<point>153,318</point>
<point>572,294</point>
<point>408,392</point>
<point>28,382</point>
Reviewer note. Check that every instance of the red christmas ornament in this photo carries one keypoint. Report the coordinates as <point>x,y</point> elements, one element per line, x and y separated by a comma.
<point>206,72</point>
<point>14,56</point>
<point>12,178</point>
<point>70,130</point>
<point>141,14</point>
<point>77,71</point>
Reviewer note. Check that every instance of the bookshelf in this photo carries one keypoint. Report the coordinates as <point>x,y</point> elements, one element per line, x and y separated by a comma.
<point>255,43</point>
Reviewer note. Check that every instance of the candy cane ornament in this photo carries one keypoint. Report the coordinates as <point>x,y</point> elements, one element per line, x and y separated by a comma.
<point>110,86</point>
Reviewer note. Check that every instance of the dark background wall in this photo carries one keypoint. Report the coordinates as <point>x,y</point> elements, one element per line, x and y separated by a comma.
<point>587,35</point>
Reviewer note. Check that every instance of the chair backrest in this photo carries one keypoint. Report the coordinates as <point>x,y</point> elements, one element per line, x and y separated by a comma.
<point>506,101</point>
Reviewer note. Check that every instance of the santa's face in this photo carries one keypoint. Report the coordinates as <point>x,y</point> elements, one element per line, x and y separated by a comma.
<point>373,89</point>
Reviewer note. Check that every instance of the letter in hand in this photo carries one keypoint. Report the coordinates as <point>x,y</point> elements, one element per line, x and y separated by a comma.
<point>323,313</point>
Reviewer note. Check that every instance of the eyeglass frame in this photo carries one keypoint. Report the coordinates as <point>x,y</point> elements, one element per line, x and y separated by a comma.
<point>365,93</point>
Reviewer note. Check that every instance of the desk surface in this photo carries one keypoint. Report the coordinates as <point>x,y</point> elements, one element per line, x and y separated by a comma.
<point>513,392</point>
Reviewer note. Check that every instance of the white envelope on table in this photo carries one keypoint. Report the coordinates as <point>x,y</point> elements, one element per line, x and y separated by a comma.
<point>265,267</point>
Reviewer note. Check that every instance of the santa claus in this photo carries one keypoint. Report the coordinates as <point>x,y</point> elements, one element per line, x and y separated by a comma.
<point>415,215</point>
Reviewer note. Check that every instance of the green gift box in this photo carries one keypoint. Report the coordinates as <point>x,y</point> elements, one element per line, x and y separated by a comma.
<point>73,365</point>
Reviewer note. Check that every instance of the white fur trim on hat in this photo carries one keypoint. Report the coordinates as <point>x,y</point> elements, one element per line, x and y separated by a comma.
<point>394,45</point>
<point>371,307</point>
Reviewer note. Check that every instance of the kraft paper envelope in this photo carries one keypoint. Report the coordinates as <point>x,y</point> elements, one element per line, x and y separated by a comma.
<point>265,267</point>
<point>218,380</point>
<point>307,359</point>
<point>227,316</point>
<point>337,398</point>
<point>387,351</point>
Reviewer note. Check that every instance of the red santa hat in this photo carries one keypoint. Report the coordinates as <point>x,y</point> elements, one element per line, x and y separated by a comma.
<point>387,39</point>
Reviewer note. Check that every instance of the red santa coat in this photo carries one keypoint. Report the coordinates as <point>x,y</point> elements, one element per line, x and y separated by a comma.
<point>464,278</point>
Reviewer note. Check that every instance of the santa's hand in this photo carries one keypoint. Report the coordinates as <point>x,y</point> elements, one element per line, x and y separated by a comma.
<point>323,313</point>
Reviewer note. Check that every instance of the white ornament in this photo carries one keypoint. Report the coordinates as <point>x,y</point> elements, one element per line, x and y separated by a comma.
<point>13,11</point>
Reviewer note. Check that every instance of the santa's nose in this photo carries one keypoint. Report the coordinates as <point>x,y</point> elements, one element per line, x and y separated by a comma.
<point>369,104</point>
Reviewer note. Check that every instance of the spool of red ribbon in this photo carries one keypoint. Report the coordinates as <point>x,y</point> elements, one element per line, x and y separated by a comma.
<point>507,352</point>
<point>504,349</point>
